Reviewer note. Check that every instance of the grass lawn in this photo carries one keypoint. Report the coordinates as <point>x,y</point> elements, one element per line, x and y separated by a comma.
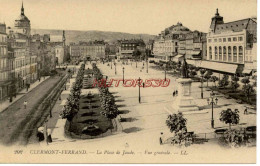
<point>238,95</point>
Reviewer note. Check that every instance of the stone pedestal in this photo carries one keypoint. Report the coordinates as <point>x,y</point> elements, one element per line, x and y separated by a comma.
<point>183,102</point>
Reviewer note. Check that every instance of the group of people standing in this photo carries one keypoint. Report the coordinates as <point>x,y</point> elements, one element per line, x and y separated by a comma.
<point>41,135</point>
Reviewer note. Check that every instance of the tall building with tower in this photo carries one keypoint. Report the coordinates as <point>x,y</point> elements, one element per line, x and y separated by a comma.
<point>231,46</point>
<point>25,62</point>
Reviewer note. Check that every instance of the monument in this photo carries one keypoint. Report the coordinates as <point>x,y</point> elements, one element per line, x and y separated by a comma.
<point>183,102</point>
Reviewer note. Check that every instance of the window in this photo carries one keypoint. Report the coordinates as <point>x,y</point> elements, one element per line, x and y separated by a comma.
<point>210,53</point>
<point>209,40</point>
<point>234,54</point>
<point>215,40</point>
<point>234,39</point>
<point>240,39</point>
<point>229,54</point>
<point>219,40</point>
<point>216,53</point>
<point>240,52</point>
<point>224,53</point>
<point>220,53</point>
<point>224,39</point>
<point>229,39</point>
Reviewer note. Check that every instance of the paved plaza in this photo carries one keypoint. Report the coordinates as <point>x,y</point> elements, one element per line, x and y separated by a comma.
<point>146,120</point>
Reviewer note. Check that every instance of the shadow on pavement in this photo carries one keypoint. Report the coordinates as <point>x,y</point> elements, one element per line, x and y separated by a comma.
<point>132,130</point>
<point>128,119</point>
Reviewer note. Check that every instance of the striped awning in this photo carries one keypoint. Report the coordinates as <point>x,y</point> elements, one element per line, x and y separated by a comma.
<point>247,71</point>
<point>221,67</point>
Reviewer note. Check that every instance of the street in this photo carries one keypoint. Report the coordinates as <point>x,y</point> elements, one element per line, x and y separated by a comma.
<point>15,118</point>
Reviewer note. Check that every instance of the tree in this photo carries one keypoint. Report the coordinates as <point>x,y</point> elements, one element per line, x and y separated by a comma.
<point>208,76</point>
<point>177,124</point>
<point>245,80</point>
<point>229,117</point>
<point>192,70</point>
<point>248,91</point>
<point>224,81</point>
<point>255,80</point>
<point>234,82</point>
<point>137,54</point>
<point>214,79</point>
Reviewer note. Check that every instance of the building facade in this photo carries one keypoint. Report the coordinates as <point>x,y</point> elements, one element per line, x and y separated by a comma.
<point>6,65</point>
<point>232,45</point>
<point>88,50</point>
<point>128,48</point>
<point>25,63</point>
<point>195,45</point>
<point>167,43</point>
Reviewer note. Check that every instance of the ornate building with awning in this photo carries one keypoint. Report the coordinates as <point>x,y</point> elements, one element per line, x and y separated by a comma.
<point>231,47</point>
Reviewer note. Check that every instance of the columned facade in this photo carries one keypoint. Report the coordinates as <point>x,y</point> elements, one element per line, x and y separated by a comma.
<point>227,47</point>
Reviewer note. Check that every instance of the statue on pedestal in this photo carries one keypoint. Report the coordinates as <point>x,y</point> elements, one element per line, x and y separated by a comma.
<point>184,102</point>
<point>184,69</point>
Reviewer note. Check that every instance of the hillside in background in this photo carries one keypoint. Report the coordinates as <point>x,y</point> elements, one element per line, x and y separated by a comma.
<point>76,36</point>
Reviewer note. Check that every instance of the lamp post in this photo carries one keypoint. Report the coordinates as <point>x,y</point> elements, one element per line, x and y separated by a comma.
<point>139,85</point>
<point>123,75</point>
<point>115,68</point>
<point>135,63</point>
<point>111,64</point>
<point>165,73</point>
<point>49,102</point>
<point>146,66</point>
<point>212,100</point>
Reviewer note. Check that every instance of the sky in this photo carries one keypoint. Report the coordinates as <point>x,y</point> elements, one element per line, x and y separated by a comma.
<point>132,16</point>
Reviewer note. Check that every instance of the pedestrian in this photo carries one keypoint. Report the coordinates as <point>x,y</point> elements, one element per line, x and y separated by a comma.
<point>161,138</point>
<point>25,104</point>
<point>173,93</point>
<point>49,139</point>
<point>40,134</point>
<point>176,92</point>
<point>245,111</point>
<point>27,87</point>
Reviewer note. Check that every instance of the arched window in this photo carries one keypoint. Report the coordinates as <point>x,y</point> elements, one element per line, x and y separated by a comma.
<point>240,52</point>
<point>210,53</point>
<point>220,53</point>
<point>234,54</point>
<point>229,54</point>
<point>216,53</point>
<point>224,53</point>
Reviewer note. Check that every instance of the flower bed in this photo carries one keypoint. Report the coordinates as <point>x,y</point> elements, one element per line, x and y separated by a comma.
<point>90,115</point>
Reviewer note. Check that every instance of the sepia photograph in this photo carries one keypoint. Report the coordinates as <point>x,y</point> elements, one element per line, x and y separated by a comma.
<point>128,81</point>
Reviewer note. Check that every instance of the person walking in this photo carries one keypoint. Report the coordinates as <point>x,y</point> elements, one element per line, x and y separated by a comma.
<point>173,94</point>
<point>49,139</point>
<point>245,111</point>
<point>161,139</point>
<point>25,104</point>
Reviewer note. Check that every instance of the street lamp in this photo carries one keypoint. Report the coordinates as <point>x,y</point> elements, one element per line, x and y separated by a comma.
<point>165,73</point>
<point>212,100</point>
<point>146,66</point>
<point>111,63</point>
<point>115,67</point>
<point>139,84</point>
<point>123,75</point>
<point>135,63</point>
